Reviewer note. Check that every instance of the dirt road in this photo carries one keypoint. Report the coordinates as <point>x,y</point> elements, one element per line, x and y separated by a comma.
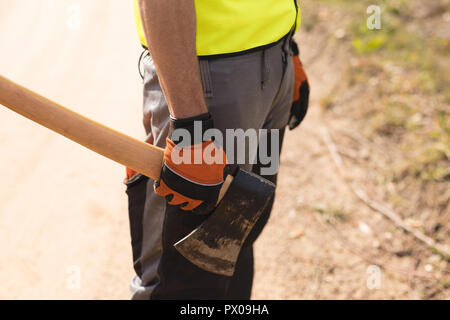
<point>62,208</point>
<point>64,231</point>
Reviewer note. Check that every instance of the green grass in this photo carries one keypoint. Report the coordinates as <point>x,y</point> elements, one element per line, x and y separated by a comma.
<point>413,90</point>
<point>332,214</point>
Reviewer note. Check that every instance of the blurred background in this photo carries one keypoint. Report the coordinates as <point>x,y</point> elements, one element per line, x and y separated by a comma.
<point>363,203</point>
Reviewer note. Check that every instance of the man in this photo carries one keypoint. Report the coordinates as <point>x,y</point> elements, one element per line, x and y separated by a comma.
<point>222,65</point>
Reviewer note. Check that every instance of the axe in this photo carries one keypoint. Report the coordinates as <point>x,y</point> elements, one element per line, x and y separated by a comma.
<point>215,245</point>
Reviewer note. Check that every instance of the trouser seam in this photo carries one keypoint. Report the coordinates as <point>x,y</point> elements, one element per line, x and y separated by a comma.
<point>265,69</point>
<point>206,78</point>
<point>159,273</point>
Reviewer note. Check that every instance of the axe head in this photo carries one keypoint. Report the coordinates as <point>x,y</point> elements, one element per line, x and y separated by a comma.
<point>215,245</point>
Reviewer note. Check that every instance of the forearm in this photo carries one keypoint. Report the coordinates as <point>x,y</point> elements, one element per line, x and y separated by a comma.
<point>170,29</point>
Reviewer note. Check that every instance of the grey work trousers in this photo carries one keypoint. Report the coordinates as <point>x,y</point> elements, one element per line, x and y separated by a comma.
<point>248,91</point>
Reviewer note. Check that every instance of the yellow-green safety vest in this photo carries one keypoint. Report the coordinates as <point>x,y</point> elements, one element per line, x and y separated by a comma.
<point>232,26</point>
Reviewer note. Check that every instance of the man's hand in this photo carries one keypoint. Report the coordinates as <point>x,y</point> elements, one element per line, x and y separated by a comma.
<point>193,171</point>
<point>301,91</point>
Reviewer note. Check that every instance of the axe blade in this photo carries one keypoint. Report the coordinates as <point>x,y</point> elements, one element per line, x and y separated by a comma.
<point>215,245</point>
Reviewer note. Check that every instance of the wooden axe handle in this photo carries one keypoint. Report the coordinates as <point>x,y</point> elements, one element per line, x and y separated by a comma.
<point>137,155</point>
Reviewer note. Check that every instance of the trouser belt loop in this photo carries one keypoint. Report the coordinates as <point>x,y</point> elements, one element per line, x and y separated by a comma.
<point>287,44</point>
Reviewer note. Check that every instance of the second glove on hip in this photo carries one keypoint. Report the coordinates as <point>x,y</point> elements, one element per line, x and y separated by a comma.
<point>300,102</point>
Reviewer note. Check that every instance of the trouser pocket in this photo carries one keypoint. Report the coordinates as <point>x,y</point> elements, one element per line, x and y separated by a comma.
<point>136,191</point>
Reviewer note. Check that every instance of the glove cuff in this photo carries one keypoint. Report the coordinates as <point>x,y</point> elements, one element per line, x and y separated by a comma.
<point>203,121</point>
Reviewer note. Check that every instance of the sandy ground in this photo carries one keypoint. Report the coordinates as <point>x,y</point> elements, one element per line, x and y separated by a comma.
<point>62,208</point>
<point>64,231</point>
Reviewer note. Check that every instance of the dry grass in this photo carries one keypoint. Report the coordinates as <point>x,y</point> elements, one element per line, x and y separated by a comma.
<point>390,111</point>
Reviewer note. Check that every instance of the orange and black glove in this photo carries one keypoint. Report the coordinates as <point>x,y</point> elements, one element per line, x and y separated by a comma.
<point>193,170</point>
<point>301,90</point>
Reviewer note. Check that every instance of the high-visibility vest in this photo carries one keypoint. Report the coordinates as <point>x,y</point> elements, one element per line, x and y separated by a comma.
<point>232,26</point>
